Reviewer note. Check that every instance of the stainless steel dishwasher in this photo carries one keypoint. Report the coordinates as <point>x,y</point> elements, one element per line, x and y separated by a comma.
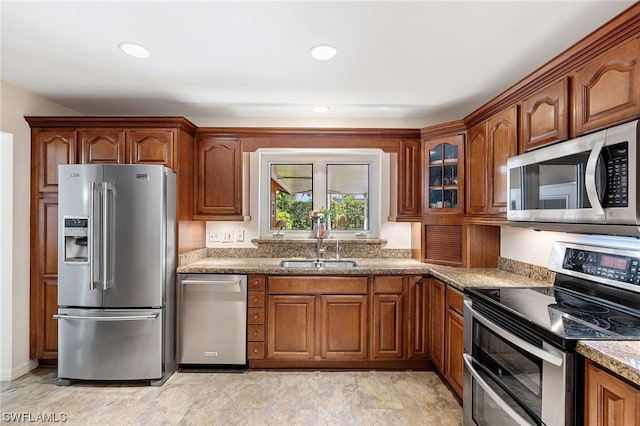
<point>212,319</point>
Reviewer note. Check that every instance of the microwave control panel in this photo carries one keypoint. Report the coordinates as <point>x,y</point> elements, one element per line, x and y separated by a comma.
<point>617,169</point>
<point>615,267</point>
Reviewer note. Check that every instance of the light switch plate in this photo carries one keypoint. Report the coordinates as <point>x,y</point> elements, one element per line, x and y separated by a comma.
<point>227,237</point>
<point>214,237</point>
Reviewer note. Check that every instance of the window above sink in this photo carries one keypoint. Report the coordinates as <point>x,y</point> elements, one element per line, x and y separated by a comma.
<point>346,183</point>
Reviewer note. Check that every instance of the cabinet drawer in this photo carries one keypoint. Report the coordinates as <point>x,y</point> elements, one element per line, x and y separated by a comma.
<point>392,285</point>
<point>256,299</point>
<point>255,333</point>
<point>256,282</point>
<point>454,300</point>
<point>318,285</point>
<point>255,350</point>
<point>255,315</point>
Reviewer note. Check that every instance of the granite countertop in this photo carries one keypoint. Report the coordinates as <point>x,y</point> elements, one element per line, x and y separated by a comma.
<point>456,277</point>
<point>621,357</point>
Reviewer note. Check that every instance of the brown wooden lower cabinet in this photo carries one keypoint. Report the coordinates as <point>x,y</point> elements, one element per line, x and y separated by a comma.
<point>436,323</point>
<point>446,323</point>
<point>453,364</point>
<point>342,322</point>
<point>256,316</point>
<point>609,400</point>
<point>387,325</point>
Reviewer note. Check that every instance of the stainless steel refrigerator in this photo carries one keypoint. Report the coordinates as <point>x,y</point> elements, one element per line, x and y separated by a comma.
<point>116,272</point>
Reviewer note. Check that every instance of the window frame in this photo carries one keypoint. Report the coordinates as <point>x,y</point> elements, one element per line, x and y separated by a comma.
<point>320,158</point>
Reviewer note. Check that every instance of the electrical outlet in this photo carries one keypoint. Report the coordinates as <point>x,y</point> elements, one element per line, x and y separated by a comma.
<point>239,235</point>
<point>227,237</point>
<point>214,237</point>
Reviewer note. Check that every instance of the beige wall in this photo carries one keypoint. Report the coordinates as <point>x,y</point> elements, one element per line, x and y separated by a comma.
<point>15,104</point>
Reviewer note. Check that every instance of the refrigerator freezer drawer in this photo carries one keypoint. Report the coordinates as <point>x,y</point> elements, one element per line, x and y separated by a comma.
<point>212,320</point>
<point>108,344</point>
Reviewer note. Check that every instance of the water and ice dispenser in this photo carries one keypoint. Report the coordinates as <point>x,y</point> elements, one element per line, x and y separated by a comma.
<point>76,239</point>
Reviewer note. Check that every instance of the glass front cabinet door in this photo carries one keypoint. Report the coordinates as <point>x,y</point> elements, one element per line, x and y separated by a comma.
<point>444,161</point>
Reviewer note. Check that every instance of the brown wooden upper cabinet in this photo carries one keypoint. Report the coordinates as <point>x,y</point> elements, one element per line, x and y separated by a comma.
<point>444,180</point>
<point>218,178</point>
<point>607,89</point>
<point>127,146</point>
<point>409,177</point>
<point>476,162</point>
<point>491,143</point>
<point>503,143</point>
<point>544,116</point>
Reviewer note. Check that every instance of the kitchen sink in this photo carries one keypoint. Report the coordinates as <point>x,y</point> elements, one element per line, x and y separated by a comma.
<point>301,263</point>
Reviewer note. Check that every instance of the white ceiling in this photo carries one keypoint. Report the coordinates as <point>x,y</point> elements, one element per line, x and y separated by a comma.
<point>429,60</point>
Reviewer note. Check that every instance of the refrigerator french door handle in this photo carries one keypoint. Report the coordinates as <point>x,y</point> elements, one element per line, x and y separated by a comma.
<point>92,190</point>
<point>107,281</point>
<point>100,318</point>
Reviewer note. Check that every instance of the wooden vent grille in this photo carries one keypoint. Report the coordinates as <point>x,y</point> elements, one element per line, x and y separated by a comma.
<point>443,244</point>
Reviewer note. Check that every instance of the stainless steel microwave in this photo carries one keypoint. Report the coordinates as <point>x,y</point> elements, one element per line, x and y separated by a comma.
<point>585,185</point>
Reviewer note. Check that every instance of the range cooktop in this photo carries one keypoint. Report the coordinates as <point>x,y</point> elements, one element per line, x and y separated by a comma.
<point>596,295</point>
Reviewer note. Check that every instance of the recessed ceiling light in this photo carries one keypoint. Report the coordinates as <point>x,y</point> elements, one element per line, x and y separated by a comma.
<point>323,52</point>
<point>321,109</point>
<point>134,50</point>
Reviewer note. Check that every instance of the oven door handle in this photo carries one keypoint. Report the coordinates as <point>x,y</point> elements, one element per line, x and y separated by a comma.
<point>523,344</point>
<point>492,394</point>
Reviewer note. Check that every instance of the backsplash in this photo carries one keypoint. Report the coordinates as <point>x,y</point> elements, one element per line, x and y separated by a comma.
<point>526,269</point>
<point>305,248</point>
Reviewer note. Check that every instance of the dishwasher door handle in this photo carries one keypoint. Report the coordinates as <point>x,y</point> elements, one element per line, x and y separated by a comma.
<point>216,286</point>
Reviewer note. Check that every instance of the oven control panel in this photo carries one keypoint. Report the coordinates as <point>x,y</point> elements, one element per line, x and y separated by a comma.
<point>612,266</point>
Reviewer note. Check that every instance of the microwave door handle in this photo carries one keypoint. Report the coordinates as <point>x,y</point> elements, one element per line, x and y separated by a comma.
<point>523,344</point>
<point>590,178</point>
<point>492,394</point>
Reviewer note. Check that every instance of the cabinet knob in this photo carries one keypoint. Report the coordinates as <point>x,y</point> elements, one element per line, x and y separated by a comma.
<point>255,351</point>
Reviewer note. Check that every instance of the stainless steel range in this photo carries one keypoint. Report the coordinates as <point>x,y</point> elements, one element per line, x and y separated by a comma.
<point>520,356</point>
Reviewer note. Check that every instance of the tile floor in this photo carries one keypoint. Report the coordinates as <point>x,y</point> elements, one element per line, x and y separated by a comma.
<point>243,398</point>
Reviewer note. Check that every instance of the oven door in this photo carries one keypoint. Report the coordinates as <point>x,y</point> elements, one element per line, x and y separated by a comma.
<point>510,375</point>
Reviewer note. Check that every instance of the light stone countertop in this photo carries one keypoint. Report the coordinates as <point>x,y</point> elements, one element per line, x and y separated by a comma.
<point>621,357</point>
<point>456,277</point>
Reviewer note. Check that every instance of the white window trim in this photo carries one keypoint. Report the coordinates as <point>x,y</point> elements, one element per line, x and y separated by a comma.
<point>378,167</point>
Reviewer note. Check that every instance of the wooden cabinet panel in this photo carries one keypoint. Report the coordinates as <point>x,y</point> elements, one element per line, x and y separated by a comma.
<point>409,180</point>
<point>343,320</point>
<point>291,327</point>
<point>544,116</point>
<point>442,240</point>
<point>387,337</point>
<point>49,149</point>
<point>418,331</point>
<point>218,180</point>
<point>255,333</point>
<point>444,182</point>
<point>609,400</point>
<point>607,89</point>
<point>454,350</point>
<point>255,350</point>
<point>49,340</point>
<point>102,146</point>
<point>256,282</point>
<point>255,299</point>
<point>48,236</point>
<point>387,319</point>
<point>437,321</point>
<point>476,164</point>
<point>503,143</point>
<point>152,146</point>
